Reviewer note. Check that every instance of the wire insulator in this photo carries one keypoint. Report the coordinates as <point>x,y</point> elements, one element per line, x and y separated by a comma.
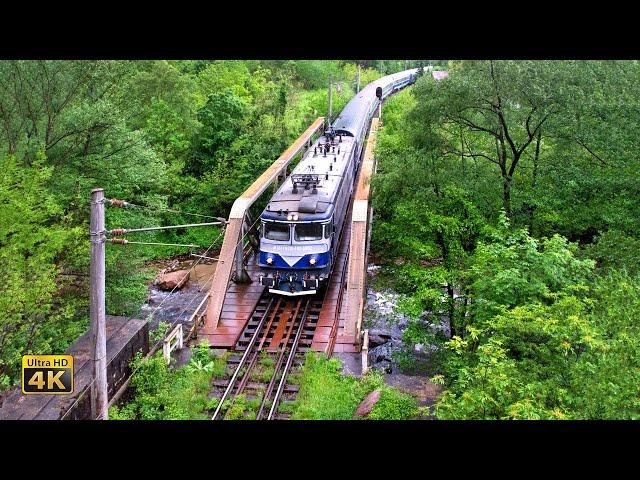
<point>119,241</point>
<point>114,202</point>
<point>117,231</point>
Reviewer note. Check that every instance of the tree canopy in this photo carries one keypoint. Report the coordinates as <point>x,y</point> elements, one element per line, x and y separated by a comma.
<point>505,203</point>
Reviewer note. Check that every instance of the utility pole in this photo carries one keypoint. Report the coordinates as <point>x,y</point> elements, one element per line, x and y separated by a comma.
<point>358,80</point>
<point>330,99</point>
<point>97,232</point>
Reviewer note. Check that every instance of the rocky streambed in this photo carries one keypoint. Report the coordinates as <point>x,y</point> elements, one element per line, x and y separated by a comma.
<point>387,326</point>
<point>176,292</point>
<point>391,353</point>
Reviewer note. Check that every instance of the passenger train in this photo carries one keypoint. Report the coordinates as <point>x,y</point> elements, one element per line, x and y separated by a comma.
<point>301,225</point>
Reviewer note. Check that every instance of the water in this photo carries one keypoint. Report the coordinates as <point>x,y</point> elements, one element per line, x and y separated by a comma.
<point>386,328</point>
<point>177,307</point>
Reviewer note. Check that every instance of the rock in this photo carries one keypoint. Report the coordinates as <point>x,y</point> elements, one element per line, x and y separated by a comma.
<point>403,323</point>
<point>423,389</point>
<point>378,354</point>
<point>379,336</point>
<point>171,280</point>
<point>365,407</point>
<point>385,366</point>
<point>384,351</point>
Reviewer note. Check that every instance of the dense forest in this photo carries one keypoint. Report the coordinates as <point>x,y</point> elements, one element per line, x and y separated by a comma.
<point>166,136</point>
<point>506,202</point>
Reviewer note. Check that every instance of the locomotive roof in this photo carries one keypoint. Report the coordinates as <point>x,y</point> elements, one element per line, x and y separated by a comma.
<point>312,167</point>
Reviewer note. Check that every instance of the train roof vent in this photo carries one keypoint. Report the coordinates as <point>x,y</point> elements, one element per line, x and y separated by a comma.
<point>306,181</point>
<point>308,204</point>
<point>305,178</point>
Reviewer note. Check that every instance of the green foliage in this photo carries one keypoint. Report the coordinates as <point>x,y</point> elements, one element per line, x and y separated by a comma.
<point>35,313</point>
<point>613,250</point>
<point>326,394</point>
<point>513,268</point>
<point>607,376</point>
<point>394,405</point>
<point>162,393</point>
<point>505,204</point>
<point>156,335</point>
<point>242,408</point>
<point>188,135</point>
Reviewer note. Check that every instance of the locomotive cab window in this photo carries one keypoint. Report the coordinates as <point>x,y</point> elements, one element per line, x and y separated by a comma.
<point>305,232</point>
<point>277,231</point>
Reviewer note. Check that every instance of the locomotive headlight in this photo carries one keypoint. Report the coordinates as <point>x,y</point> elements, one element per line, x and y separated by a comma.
<point>312,261</point>
<point>295,217</point>
<point>290,217</point>
<point>269,260</point>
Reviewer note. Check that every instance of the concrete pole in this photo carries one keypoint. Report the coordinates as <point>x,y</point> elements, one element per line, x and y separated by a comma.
<point>99,400</point>
<point>330,100</point>
<point>358,80</point>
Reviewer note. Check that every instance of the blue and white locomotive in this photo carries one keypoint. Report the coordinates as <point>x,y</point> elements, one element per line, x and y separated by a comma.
<point>302,223</point>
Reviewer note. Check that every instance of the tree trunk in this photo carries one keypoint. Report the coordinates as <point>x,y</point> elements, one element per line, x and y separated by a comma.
<point>536,158</point>
<point>506,194</point>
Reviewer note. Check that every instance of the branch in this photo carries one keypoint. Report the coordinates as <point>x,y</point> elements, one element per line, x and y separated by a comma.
<point>597,157</point>
<point>470,155</point>
<point>474,126</point>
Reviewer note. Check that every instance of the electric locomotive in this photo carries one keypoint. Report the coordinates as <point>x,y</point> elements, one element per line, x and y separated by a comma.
<point>301,225</point>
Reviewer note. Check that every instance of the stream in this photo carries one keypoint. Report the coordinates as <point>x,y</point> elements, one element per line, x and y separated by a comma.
<point>184,301</point>
<point>387,325</point>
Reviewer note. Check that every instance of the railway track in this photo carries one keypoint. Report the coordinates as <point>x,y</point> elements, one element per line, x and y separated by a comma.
<point>268,354</point>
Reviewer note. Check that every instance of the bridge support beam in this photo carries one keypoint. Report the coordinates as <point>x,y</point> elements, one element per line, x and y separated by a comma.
<point>231,252</point>
<point>241,275</point>
<point>359,245</point>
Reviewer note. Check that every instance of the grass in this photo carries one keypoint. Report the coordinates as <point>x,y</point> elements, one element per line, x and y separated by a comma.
<point>264,369</point>
<point>326,394</point>
<point>243,408</point>
<point>394,405</point>
<point>162,393</point>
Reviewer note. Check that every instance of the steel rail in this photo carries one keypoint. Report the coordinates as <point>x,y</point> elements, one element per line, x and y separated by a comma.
<point>252,342</point>
<point>287,367</point>
<point>278,364</point>
<point>254,358</point>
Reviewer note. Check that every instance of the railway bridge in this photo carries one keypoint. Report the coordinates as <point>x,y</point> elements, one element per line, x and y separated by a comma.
<point>236,296</point>
<point>238,314</point>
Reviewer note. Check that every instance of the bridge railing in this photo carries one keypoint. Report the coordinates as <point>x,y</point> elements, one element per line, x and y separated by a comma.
<point>231,254</point>
<point>358,247</point>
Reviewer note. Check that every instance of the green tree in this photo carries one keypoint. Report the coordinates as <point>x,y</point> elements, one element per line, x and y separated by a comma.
<point>34,237</point>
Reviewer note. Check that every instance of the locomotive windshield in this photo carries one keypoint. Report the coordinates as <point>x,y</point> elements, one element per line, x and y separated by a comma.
<point>305,232</point>
<point>277,231</point>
